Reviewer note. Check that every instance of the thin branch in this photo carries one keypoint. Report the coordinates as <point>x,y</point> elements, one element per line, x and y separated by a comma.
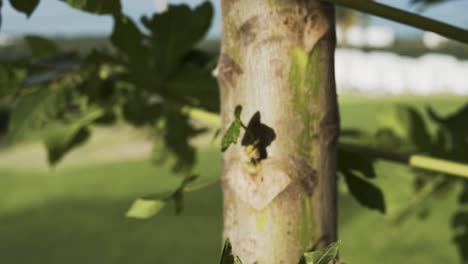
<point>376,153</point>
<point>404,17</point>
<point>412,160</point>
<point>439,165</point>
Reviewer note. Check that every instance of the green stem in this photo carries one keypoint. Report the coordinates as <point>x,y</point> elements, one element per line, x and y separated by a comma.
<point>439,165</point>
<point>404,17</point>
<point>412,160</point>
<point>200,186</point>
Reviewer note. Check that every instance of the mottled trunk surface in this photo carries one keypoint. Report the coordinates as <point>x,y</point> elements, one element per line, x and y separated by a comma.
<point>277,63</point>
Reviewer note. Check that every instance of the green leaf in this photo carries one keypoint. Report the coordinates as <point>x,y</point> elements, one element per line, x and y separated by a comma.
<point>25,6</point>
<point>9,81</point>
<point>178,195</point>
<point>128,39</point>
<point>408,124</point>
<point>178,132</point>
<point>149,206</point>
<point>62,141</point>
<point>138,110</point>
<point>98,7</point>
<point>58,116</point>
<point>175,32</point>
<point>455,128</point>
<point>145,208</point>
<point>34,107</point>
<point>365,192</point>
<point>196,87</point>
<point>61,137</point>
<point>323,256</point>
<point>460,226</point>
<point>41,47</point>
<point>353,161</point>
<point>233,132</point>
<point>136,52</point>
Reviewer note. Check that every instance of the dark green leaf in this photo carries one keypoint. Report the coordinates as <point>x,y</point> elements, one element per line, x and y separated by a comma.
<point>454,128</point>
<point>460,225</point>
<point>233,132</point>
<point>408,124</point>
<point>61,137</point>
<point>61,142</point>
<point>128,39</point>
<point>178,132</point>
<point>353,161</point>
<point>25,6</point>
<point>366,193</point>
<point>138,110</point>
<point>353,133</point>
<point>387,139</point>
<point>4,119</point>
<point>99,7</point>
<point>175,32</point>
<point>196,87</point>
<point>226,255</point>
<point>323,256</point>
<point>178,195</point>
<point>463,199</point>
<point>109,117</point>
<point>132,44</point>
<point>33,109</point>
<point>145,208</point>
<point>41,47</point>
<point>9,82</point>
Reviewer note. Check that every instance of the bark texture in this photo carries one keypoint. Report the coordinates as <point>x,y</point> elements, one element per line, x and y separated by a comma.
<point>279,189</point>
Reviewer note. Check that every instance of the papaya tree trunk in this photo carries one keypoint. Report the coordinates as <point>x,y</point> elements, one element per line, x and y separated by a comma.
<point>279,181</point>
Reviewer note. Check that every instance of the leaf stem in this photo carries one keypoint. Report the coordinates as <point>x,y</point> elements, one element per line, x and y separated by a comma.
<point>404,17</point>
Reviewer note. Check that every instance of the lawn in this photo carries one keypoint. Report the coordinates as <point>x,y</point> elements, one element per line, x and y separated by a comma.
<point>75,212</point>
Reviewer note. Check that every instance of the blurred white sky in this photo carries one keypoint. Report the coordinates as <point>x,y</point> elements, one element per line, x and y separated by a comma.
<point>55,18</point>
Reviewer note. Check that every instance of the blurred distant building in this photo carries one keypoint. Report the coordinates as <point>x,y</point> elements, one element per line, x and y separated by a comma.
<point>379,36</point>
<point>386,73</point>
<point>371,36</point>
<point>432,40</point>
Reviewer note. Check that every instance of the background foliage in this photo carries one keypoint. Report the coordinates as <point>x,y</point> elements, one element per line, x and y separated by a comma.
<point>155,76</point>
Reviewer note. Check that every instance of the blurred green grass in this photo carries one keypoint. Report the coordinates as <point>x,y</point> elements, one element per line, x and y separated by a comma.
<point>75,214</point>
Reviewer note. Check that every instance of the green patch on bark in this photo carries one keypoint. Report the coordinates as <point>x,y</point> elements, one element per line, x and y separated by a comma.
<point>261,218</point>
<point>308,234</point>
<point>304,80</point>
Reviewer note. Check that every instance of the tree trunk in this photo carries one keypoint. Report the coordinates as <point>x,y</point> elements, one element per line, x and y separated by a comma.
<point>279,189</point>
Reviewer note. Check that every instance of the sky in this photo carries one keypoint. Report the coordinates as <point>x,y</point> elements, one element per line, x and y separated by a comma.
<point>53,17</point>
